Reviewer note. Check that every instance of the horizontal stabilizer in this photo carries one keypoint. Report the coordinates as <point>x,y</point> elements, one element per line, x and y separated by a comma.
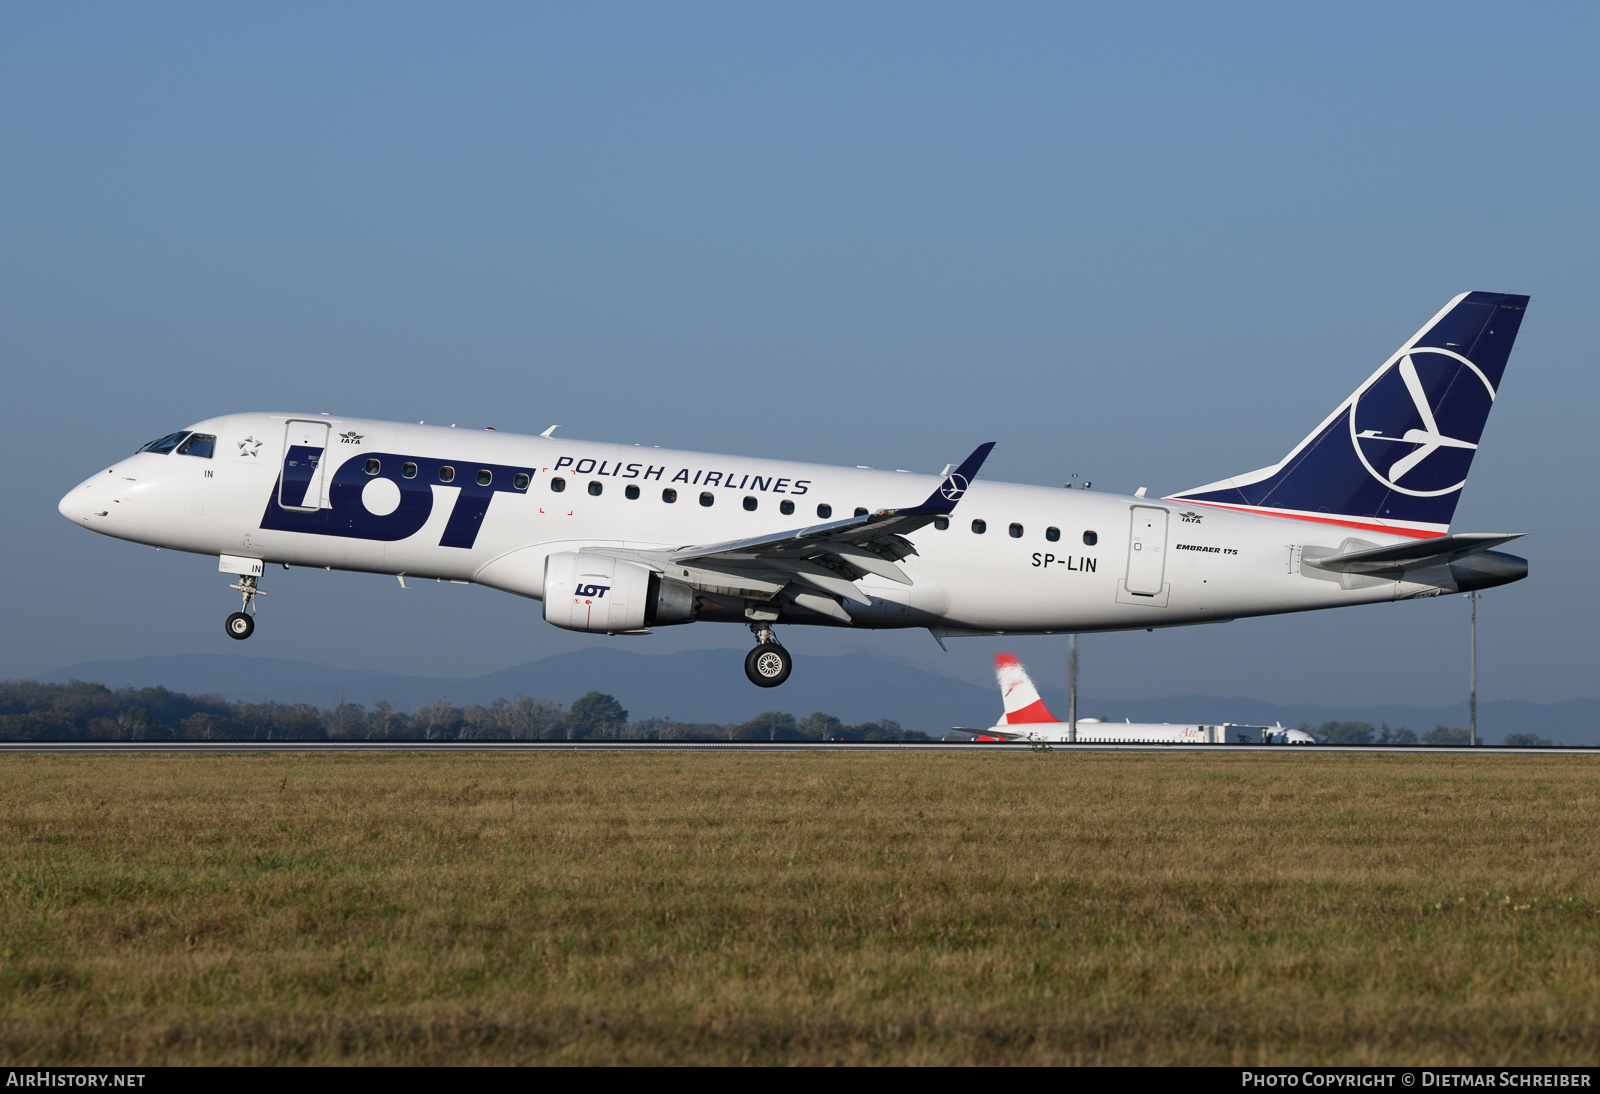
<point>1401,556</point>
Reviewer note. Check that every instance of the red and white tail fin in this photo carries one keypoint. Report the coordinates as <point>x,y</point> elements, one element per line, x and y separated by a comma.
<point>1021,698</point>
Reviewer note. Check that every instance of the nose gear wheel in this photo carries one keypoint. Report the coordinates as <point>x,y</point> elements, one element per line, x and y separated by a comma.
<point>240,624</point>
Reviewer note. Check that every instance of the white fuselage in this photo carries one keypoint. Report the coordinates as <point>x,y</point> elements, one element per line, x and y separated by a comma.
<point>1090,731</point>
<point>1115,563</point>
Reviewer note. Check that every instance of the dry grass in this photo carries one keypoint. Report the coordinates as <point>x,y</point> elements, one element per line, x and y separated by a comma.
<point>815,908</point>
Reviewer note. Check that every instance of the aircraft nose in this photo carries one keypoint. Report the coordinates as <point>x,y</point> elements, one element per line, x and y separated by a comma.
<point>72,506</point>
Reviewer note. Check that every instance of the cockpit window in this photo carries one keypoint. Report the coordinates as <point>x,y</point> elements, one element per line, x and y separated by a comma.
<point>165,444</point>
<point>198,444</point>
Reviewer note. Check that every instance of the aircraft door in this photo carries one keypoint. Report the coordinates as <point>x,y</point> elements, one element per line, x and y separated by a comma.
<point>300,486</point>
<point>1147,551</point>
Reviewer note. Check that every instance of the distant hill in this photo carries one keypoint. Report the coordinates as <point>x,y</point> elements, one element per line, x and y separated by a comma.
<point>709,686</point>
<point>256,679</point>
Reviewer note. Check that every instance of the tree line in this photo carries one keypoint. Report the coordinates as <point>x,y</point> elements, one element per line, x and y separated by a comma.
<point>93,712</point>
<point>1364,733</point>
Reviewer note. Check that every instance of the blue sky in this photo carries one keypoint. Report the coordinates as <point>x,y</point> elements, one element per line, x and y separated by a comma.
<point>1150,244</point>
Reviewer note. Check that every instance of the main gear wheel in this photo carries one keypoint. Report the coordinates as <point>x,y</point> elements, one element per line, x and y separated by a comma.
<point>768,665</point>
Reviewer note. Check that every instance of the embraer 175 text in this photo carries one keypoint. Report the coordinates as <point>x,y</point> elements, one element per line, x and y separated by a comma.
<point>617,539</point>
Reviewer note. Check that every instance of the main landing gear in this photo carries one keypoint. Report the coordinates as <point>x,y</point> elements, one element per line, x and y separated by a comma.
<point>769,663</point>
<point>241,624</point>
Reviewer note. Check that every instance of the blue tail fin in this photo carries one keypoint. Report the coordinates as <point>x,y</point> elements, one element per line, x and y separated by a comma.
<point>1394,456</point>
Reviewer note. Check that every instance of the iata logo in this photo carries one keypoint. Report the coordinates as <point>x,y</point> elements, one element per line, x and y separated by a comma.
<point>953,487</point>
<point>351,437</point>
<point>1417,425</point>
<point>1190,517</point>
<point>596,591</point>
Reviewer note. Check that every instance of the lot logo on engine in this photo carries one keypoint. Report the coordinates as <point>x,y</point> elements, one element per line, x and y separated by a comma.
<point>596,591</point>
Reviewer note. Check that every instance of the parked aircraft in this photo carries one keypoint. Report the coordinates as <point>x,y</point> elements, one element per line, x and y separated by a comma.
<point>620,539</point>
<point>1026,718</point>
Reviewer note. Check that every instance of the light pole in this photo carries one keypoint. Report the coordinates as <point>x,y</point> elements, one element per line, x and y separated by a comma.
<point>1072,688</point>
<point>1472,694</point>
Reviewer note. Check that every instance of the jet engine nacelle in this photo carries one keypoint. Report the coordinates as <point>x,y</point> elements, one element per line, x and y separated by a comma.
<point>599,594</point>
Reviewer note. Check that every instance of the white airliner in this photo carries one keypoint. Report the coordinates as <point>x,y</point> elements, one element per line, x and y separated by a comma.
<point>619,539</point>
<point>1026,718</point>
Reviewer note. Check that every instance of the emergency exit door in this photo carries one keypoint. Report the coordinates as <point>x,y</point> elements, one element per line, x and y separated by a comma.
<point>305,444</point>
<point>1147,551</point>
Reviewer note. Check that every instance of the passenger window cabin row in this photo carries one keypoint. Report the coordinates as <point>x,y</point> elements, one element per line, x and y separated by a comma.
<point>786,507</point>
<point>408,470</point>
<point>707,498</point>
<point>1053,535</point>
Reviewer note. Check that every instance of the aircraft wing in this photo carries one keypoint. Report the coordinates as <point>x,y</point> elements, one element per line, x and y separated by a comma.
<point>1422,552</point>
<point>991,731</point>
<point>819,565</point>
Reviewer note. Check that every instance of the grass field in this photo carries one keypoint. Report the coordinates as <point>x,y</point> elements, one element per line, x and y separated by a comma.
<point>800,908</point>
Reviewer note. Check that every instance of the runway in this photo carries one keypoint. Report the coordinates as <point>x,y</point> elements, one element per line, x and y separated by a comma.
<point>229,747</point>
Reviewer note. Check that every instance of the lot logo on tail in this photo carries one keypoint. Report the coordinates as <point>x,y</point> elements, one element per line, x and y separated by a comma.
<point>953,488</point>
<point>1416,426</point>
<point>1395,454</point>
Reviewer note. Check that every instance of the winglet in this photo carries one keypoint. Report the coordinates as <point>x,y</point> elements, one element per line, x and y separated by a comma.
<point>954,486</point>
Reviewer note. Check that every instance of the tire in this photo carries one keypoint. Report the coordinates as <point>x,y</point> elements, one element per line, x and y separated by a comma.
<point>240,626</point>
<point>768,665</point>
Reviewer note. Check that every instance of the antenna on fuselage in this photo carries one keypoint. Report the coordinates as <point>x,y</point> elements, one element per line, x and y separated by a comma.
<point>551,430</point>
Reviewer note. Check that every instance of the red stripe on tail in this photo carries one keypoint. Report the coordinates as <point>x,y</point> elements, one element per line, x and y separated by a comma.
<point>1033,712</point>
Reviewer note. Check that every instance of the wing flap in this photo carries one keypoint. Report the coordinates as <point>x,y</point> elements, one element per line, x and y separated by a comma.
<point>822,605</point>
<point>827,581</point>
<point>751,584</point>
<point>863,559</point>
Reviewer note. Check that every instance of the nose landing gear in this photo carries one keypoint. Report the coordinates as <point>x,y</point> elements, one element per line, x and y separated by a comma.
<point>240,624</point>
<point>767,665</point>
